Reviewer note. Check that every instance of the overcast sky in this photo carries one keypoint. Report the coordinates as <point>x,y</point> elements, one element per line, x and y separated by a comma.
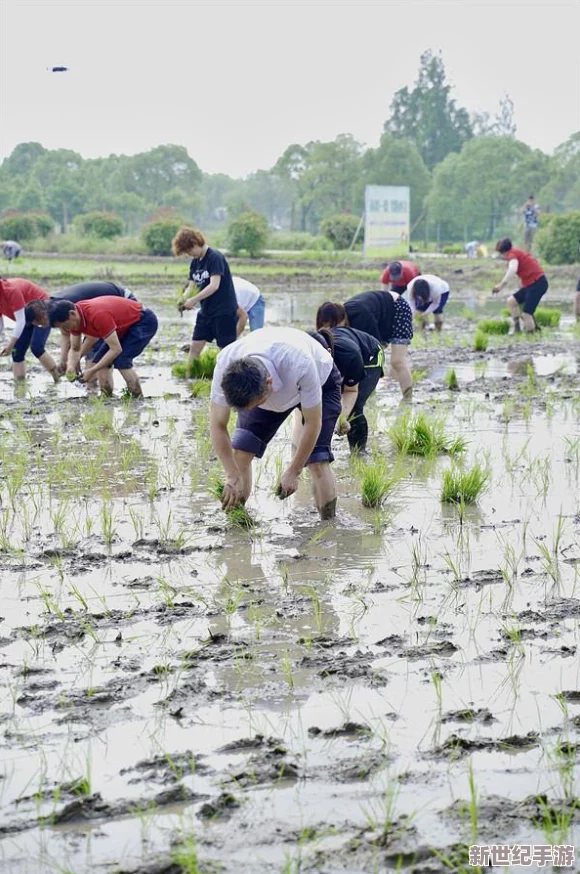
<point>237,83</point>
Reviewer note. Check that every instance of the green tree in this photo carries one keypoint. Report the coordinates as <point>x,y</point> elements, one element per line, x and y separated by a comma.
<point>500,125</point>
<point>340,229</point>
<point>324,177</point>
<point>561,193</point>
<point>104,225</point>
<point>32,197</point>
<point>475,191</point>
<point>22,159</point>
<point>427,116</point>
<point>18,227</point>
<point>158,235</point>
<point>397,162</point>
<point>558,240</point>
<point>248,232</point>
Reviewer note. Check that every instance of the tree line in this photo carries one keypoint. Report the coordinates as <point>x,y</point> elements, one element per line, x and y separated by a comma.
<point>467,173</point>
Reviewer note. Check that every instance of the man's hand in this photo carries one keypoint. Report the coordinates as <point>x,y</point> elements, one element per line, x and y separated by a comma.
<point>6,351</point>
<point>233,493</point>
<point>496,289</point>
<point>88,374</point>
<point>189,304</point>
<point>288,484</point>
<point>342,425</point>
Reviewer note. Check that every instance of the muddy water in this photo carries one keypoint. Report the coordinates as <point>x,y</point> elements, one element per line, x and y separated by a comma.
<point>372,694</point>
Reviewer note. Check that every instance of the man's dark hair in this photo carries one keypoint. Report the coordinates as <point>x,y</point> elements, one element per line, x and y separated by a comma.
<point>59,311</point>
<point>395,269</point>
<point>244,382</point>
<point>530,196</point>
<point>503,245</point>
<point>422,290</point>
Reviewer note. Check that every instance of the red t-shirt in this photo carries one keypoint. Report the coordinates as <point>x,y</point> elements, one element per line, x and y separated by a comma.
<point>410,271</point>
<point>529,270</point>
<point>103,315</point>
<point>16,293</point>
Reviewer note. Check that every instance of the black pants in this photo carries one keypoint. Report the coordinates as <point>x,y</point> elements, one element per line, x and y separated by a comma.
<point>359,427</point>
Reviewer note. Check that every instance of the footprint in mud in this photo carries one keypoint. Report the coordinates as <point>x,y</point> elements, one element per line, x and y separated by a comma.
<point>482,715</point>
<point>267,764</point>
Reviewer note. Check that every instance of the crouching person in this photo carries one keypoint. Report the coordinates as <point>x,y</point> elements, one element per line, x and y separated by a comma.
<point>264,376</point>
<point>115,329</point>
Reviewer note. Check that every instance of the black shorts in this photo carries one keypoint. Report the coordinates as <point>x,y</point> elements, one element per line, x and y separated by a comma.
<point>578,284</point>
<point>255,428</point>
<point>221,328</point>
<point>531,295</point>
<point>402,330</point>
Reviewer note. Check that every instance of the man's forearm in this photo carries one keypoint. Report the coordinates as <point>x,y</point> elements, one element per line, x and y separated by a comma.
<point>348,400</point>
<point>207,292</point>
<point>307,442</point>
<point>223,449</point>
<point>106,360</point>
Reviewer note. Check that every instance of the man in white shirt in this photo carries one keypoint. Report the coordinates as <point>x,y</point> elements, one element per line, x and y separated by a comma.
<point>251,304</point>
<point>264,376</point>
<point>428,294</point>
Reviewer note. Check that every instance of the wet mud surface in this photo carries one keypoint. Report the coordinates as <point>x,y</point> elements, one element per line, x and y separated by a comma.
<point>371,694</point>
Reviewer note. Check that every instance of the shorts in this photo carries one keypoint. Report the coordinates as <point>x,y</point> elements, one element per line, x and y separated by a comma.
<point>256,314</point>
<point>529,235</point>
<point>531,295</point>
<point>133,343</point>
<point>256,428</point>
<point>578,284</point>
<point>440,308</point>
<point>399,289</point>
<point>402,329</point>
<point>221,328</point>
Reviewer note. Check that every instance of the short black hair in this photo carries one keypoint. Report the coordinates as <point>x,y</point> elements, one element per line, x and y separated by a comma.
<point>531,196</point>
<point>395,269</point>
<point>503,245</point>
<point>59,311</point>
<point>244,382</point>
<point>422,289</point>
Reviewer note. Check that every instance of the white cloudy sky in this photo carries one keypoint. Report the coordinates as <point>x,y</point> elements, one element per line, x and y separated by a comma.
<point>238,82</point>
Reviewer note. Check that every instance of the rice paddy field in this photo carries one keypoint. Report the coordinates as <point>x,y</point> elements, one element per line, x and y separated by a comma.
<point>187,691</point>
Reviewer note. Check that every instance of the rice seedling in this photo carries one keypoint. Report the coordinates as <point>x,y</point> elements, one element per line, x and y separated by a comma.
<point>464,486</point>
<point>377,478</point>
<point>480,341</point>
<point>185,855</point>
<point>424,436</point>
<point>451,380</point>
<point>200,368</point>
<point>493,326</point>
<point>200,388</point>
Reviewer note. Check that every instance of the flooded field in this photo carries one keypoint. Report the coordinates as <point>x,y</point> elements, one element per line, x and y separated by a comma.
<point>374,694</point>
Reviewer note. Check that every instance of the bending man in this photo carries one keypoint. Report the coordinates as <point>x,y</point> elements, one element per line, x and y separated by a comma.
<point>264,376</point>
<point>533,283</point>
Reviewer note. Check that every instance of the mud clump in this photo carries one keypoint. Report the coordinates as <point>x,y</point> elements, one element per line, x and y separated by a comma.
<point>221,808</point>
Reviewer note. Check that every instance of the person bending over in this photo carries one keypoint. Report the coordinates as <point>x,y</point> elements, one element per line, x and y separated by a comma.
<point>428,294</point>
<point>15,295</point>
<point>360,359</point>
<point>264,376</point>
<point>251,305</point>
<point>385,316</point>
<point>211,279</point>
<point>116,329</point>
<point>36,313</point>
<point>399,274</point>
<point>533,284</point>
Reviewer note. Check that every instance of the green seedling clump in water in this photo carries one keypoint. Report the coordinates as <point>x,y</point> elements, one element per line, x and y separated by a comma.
<point>423,436</point>
<point>464,486</point>
<point>200,368</point>
<point>480,341</point>
<point>451,380</point>
<point>237,516</point>
<point>377,480</point>
<point>200,388</point>
<point>493,326</point>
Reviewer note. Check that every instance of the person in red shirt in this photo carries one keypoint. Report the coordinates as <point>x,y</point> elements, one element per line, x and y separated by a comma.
<point>15,295</point>
<point>399,274</point>
<point>533,284</point>
<point>115,328</point>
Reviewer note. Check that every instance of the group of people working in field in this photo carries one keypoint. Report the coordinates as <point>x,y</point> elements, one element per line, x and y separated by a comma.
<point>325,375</point>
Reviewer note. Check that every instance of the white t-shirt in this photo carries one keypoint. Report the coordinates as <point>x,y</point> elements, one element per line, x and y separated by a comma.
<point>298,364</point>
<point>246,293</point>
<point>437,287</point>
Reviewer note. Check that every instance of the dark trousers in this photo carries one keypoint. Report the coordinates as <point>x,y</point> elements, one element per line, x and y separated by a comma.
<point>359,427</point>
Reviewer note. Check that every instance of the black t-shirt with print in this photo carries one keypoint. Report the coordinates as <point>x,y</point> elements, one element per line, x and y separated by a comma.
<point>223,301</point>
<point>354,351</point>
<point>372,311</point>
